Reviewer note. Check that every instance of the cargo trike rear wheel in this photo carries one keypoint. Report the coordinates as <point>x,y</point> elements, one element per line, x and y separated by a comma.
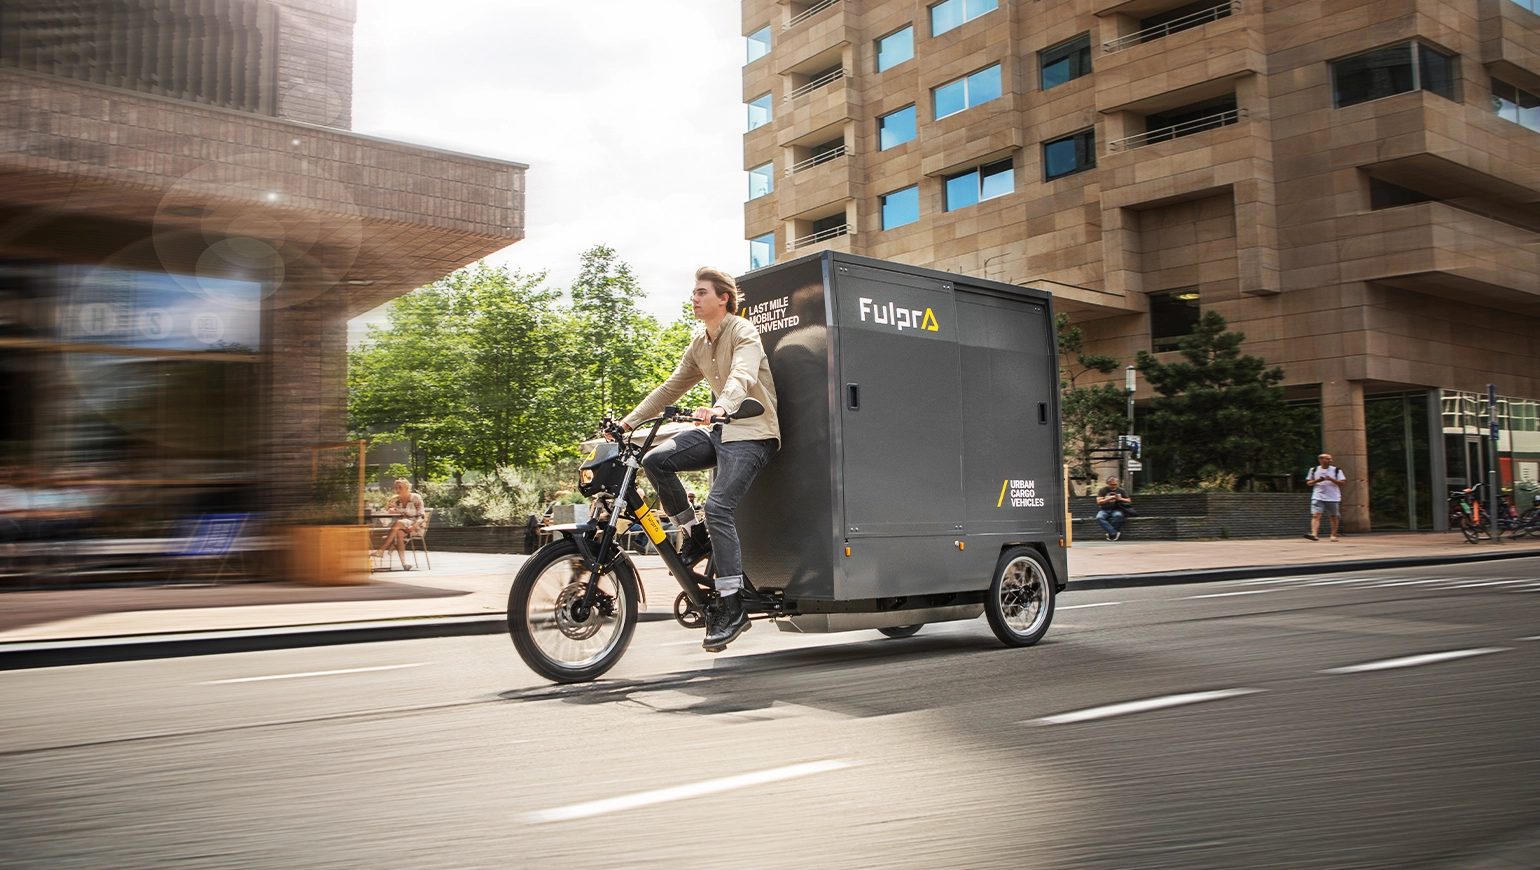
<point>558,636</point>
<point>1020,601</point>
<point>902,630</point>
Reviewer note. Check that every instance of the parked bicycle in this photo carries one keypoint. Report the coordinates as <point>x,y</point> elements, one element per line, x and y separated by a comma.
<point>1467,515</point>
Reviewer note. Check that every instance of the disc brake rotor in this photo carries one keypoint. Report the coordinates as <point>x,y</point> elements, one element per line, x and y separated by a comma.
<point>569,624</point>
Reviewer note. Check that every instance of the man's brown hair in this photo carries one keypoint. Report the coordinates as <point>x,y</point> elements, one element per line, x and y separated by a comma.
<point>724,284</point>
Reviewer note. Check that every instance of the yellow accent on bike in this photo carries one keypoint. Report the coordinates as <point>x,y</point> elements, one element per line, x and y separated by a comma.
<point>650,524</point>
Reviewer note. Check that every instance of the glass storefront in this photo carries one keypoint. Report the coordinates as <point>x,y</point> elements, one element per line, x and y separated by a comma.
<point>1467,447</point>
<point>1400,477</point>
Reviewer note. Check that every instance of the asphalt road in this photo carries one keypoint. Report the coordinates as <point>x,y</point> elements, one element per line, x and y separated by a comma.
<point>1263,743</point>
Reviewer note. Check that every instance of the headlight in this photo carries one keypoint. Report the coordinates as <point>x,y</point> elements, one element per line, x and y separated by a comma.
<point>585,476</point>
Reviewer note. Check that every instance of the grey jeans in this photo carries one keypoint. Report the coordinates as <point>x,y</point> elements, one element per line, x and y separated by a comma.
<point>736,463</point>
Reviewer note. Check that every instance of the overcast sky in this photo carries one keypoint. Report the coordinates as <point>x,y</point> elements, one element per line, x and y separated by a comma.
<point>630,116</point>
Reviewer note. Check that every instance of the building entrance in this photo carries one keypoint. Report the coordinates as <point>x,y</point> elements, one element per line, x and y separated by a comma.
<point>1400,478</point>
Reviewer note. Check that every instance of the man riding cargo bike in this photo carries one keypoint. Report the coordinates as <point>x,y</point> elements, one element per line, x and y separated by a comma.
<point>886,378</point>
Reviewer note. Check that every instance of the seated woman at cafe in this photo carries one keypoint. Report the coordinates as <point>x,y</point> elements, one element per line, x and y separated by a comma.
<point>410,516</point>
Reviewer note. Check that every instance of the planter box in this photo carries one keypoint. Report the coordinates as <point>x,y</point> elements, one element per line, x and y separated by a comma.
<point>478,539</point>
<point>1190,516</point>
<point>328,555</point>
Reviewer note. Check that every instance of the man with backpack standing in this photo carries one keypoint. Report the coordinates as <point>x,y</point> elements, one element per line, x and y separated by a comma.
<point>1327,480</point>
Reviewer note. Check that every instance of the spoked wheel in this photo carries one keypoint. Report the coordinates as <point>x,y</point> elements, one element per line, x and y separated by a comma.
<point>555,635</point>
<point>1469,528</point>
<point>1020,602</point>
<point>902,630</point>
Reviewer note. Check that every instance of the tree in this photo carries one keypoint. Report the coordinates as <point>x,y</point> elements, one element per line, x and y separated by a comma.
<point>1091,415</point>
<point>1218,411</point>
<point>614,341</point>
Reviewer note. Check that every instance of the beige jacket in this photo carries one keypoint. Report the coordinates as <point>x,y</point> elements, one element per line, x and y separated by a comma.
<point>736,367</point>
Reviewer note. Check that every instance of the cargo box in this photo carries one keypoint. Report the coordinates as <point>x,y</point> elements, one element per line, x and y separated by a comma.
<point>920,435</point>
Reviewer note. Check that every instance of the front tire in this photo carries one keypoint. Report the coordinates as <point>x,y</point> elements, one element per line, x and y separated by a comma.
<point>545,619</point>
<point>1020,601</point>
<point>1469,528</point>
<point>902,630</point>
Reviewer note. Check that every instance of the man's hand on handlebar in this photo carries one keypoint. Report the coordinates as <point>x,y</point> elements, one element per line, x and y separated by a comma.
<point>703,416</point>
<point>613,430</point>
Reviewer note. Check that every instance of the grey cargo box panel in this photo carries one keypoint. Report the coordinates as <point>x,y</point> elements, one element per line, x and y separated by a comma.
<point>919,423</point>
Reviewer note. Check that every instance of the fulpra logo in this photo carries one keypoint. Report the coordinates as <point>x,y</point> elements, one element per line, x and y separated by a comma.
<point>902,318</point>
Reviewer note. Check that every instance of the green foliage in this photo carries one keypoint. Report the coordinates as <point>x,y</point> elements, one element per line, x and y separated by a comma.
<point>488,369</point>
<point>1220,414</point>
<point>1092,416</point>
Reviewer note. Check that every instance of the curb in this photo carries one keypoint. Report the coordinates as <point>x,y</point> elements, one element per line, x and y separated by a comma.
<point>1168,578</point>
<point>98,650</point>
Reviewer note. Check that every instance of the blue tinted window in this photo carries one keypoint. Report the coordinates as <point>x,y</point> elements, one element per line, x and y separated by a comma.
<point>962,190</point>
<point>1070,154</point>
<point>951,98</point>
<point>952,13</point>
<point>966,92</point>
<point>896,128</point>
<point>762,251</point>
<point>759,112</point>
<point>984,86</point>
<point>761,180</point>
<point>895,49</point>
<point>1063,63</point>
<point>901,207</point>
<point>997,179</point>
<point>759,44</point>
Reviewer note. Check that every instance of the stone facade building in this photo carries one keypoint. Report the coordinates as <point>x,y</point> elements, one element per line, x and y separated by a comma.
<point>186,226</point>
<point>1356,186</point>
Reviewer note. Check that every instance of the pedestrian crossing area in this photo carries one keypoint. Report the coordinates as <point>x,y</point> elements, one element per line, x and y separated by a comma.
<point>1517,583</point>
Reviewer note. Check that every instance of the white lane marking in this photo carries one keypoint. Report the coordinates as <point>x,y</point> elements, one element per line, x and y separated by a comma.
<point>310,674</point>
<point>682,792</point>
<point>1227,594</point>
<point>1097,604</point>
<point>1127,707</point>
<point>1416,582</point>
<point>1488,583</point>
<point>1271,580</point>
<point>1413,661</point>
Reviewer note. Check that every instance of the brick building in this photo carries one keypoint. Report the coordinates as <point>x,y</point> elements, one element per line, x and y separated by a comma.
<point>1354,186</point>
<point>186,226</point>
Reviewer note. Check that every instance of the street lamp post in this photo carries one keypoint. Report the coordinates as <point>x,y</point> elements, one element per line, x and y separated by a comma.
<point>1129,386</point>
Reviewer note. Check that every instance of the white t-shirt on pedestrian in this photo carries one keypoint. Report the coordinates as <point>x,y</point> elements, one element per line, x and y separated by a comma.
<point>1327,489</point>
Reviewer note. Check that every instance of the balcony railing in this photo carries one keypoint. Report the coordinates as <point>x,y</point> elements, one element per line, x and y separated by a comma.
<point>808,13</point>
<point>815,84</point>
<point>1177,131</point>
<point>815,238</point>
<point>1186,22</point>
<point>831,154</point>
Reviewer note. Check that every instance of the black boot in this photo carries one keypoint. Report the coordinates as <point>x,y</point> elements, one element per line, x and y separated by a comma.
<point>727,620</point>
<point>697,545</point>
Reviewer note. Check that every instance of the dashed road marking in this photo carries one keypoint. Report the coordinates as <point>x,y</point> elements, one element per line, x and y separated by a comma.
<point>683,792</point>
<point>1414,661</point>
<point>310,674</point>
<point>1097,604</point>
<point>1145,705</point>
<point>1227,594</point>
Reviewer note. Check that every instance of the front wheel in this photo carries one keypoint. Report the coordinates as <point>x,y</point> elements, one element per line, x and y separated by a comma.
<point>1469,528</point>
<point>902,630</point>
<point>553,632</point>
<point>1020,602</point>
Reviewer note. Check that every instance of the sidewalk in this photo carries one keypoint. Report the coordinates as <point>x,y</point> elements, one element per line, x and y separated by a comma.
<point>475,585</point>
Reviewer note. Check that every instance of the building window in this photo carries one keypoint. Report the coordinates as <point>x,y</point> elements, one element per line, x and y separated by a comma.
<point>901,207</point>
<point>759,43</point>
<point>896,128</point>
<point>895,48</point>
<point>1066,61</point>
<point>1531,5</point>
<point>1516,104</point>
<point>1395,69</point>
<point>953,13</point>
<point>759,112</point>
<point>976,185</point>
<point>762,251</point>
<point>1069,155</point>
<point>1173,316</point>
<point>761,181</point>
<point>967,92</point>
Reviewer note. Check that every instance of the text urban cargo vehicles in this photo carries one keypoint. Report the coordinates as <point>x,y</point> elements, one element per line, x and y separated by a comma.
<point>919,477</point>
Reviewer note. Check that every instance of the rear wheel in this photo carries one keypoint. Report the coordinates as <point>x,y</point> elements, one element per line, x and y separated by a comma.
<point>555,635</point>
<point>1020,602</point>
<point>1469,528</point>
<point>902,630</point>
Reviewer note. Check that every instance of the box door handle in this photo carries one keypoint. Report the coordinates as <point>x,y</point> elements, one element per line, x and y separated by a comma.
<point>1042,413</point>
<point>853,396</point>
